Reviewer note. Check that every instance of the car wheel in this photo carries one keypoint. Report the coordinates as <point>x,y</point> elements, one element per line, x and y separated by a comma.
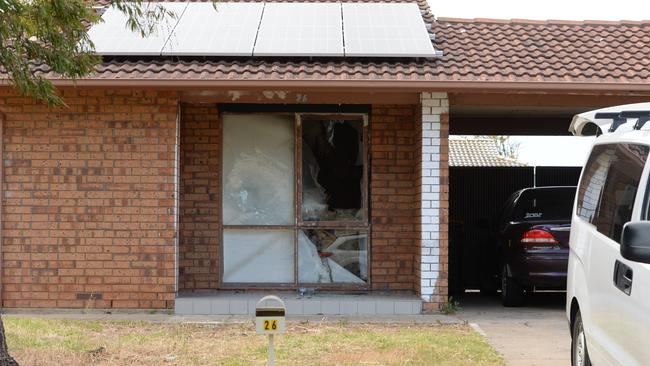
<point>512,293</point>
<point>579,354</point>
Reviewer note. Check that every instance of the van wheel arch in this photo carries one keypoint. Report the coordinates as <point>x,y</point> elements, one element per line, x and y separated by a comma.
<point>575,307</point>
<point>579,347</point>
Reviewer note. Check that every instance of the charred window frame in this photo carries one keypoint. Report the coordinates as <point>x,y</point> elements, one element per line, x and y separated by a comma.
<point>358,227</point>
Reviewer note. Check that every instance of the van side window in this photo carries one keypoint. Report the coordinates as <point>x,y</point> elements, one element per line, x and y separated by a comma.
<point>593,181</point>
<point>608,189</point>
<point>620,190</point>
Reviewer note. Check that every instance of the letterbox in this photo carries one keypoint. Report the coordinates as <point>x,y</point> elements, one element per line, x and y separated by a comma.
<point>270,315</point>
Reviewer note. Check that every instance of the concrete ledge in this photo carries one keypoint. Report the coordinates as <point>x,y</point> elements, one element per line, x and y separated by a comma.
<point>321,304</point>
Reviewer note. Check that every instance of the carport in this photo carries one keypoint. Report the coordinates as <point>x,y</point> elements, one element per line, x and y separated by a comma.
<point>536,334</point>
<point>478,189</point>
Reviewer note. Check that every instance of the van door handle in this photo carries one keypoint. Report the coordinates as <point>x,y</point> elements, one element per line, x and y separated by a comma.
<point>623,276</point>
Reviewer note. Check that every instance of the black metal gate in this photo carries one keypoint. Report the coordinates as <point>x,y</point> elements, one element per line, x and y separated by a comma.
<point>557,176</point>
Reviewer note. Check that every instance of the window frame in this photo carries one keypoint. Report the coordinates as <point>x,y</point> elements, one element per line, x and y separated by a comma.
<point>298,222</point>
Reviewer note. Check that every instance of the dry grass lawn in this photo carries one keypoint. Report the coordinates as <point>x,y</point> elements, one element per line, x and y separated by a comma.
<point>37,341</point>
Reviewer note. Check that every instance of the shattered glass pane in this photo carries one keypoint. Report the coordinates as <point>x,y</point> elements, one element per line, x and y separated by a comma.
<point>258,170</point>
<point>332,170</point>
<point>332,256</point>
<point>253,256</point>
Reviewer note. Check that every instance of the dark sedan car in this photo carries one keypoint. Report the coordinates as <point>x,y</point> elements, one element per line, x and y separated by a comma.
<point>532,237</point>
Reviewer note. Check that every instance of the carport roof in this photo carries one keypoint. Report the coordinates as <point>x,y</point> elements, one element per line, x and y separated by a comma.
<point>543,51</point>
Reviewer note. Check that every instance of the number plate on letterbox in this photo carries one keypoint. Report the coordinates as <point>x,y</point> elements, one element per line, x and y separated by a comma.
<point>269,321</point>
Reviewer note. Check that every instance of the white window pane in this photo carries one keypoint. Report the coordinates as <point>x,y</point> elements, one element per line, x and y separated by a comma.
<point>258,170</point>
<point>254,256</point>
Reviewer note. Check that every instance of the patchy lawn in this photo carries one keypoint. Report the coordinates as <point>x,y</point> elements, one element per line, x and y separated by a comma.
<point>37,341</point>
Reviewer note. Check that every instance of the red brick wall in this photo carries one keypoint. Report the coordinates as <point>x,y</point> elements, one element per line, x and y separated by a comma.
<point>88,208</point>
<point>200,216</point>
<point>394,198</point>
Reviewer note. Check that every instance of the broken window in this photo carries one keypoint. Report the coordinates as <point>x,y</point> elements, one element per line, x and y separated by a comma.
<point>332,169</point>
<point>258,171</point>
<point>269,236</point>
<point>332,256</point>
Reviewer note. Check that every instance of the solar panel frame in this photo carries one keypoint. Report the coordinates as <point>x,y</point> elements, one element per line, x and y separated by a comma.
<point>385,30</point>
<point>228,30</point>
<point>113,37</point>
<point>300,29</point>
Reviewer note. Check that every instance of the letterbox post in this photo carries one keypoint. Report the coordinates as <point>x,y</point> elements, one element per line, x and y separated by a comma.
<point>271,351</point>
<point>270,320</point>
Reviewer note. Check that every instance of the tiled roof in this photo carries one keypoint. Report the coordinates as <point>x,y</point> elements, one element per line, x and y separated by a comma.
<point>556,51</point>
<point>477,152</point>
<point>515,52</point>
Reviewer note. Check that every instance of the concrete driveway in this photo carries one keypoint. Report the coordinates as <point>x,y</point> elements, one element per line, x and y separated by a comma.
<point>536,334</point>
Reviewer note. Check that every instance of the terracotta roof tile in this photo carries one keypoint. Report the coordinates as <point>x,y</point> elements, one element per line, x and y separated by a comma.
<point>477,152</point>
<point>550,51</point>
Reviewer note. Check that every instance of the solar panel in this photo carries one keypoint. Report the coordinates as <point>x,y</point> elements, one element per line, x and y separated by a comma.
<point>113,37</point>
<point>228,30</point>
<point>300,29</point>
<point>386,30</point>
<point>271,29</point>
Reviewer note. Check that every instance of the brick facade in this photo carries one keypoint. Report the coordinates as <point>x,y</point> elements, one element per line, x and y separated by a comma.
<point>89,199</point>
<point>393,197</point>
<point>88,208</point>
<point>433,181</point>
<point>200,216</point>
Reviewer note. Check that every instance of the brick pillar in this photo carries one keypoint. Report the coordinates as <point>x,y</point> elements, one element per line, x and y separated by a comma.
<point>433,179</point>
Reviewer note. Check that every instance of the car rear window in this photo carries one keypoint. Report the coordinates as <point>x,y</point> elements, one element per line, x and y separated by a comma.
<point>545,205</point>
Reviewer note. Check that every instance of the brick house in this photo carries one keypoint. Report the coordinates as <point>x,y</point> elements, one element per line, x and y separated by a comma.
<point>139,192</point>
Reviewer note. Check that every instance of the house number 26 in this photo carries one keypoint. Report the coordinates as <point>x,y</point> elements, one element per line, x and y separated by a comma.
<point>270,324</point>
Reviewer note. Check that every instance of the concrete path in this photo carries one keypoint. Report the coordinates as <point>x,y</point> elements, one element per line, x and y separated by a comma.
<point>536,334</point>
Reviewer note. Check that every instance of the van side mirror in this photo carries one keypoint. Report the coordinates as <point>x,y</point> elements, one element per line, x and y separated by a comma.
<point>635,241</point>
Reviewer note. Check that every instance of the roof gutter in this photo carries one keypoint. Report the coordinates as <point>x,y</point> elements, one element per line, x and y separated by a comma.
<point>410,85</point>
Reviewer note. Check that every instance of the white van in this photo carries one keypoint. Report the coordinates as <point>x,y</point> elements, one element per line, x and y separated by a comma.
<point>608,284</point>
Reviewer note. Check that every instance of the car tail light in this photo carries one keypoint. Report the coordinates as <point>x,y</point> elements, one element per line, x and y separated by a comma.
<point>537,237</point>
